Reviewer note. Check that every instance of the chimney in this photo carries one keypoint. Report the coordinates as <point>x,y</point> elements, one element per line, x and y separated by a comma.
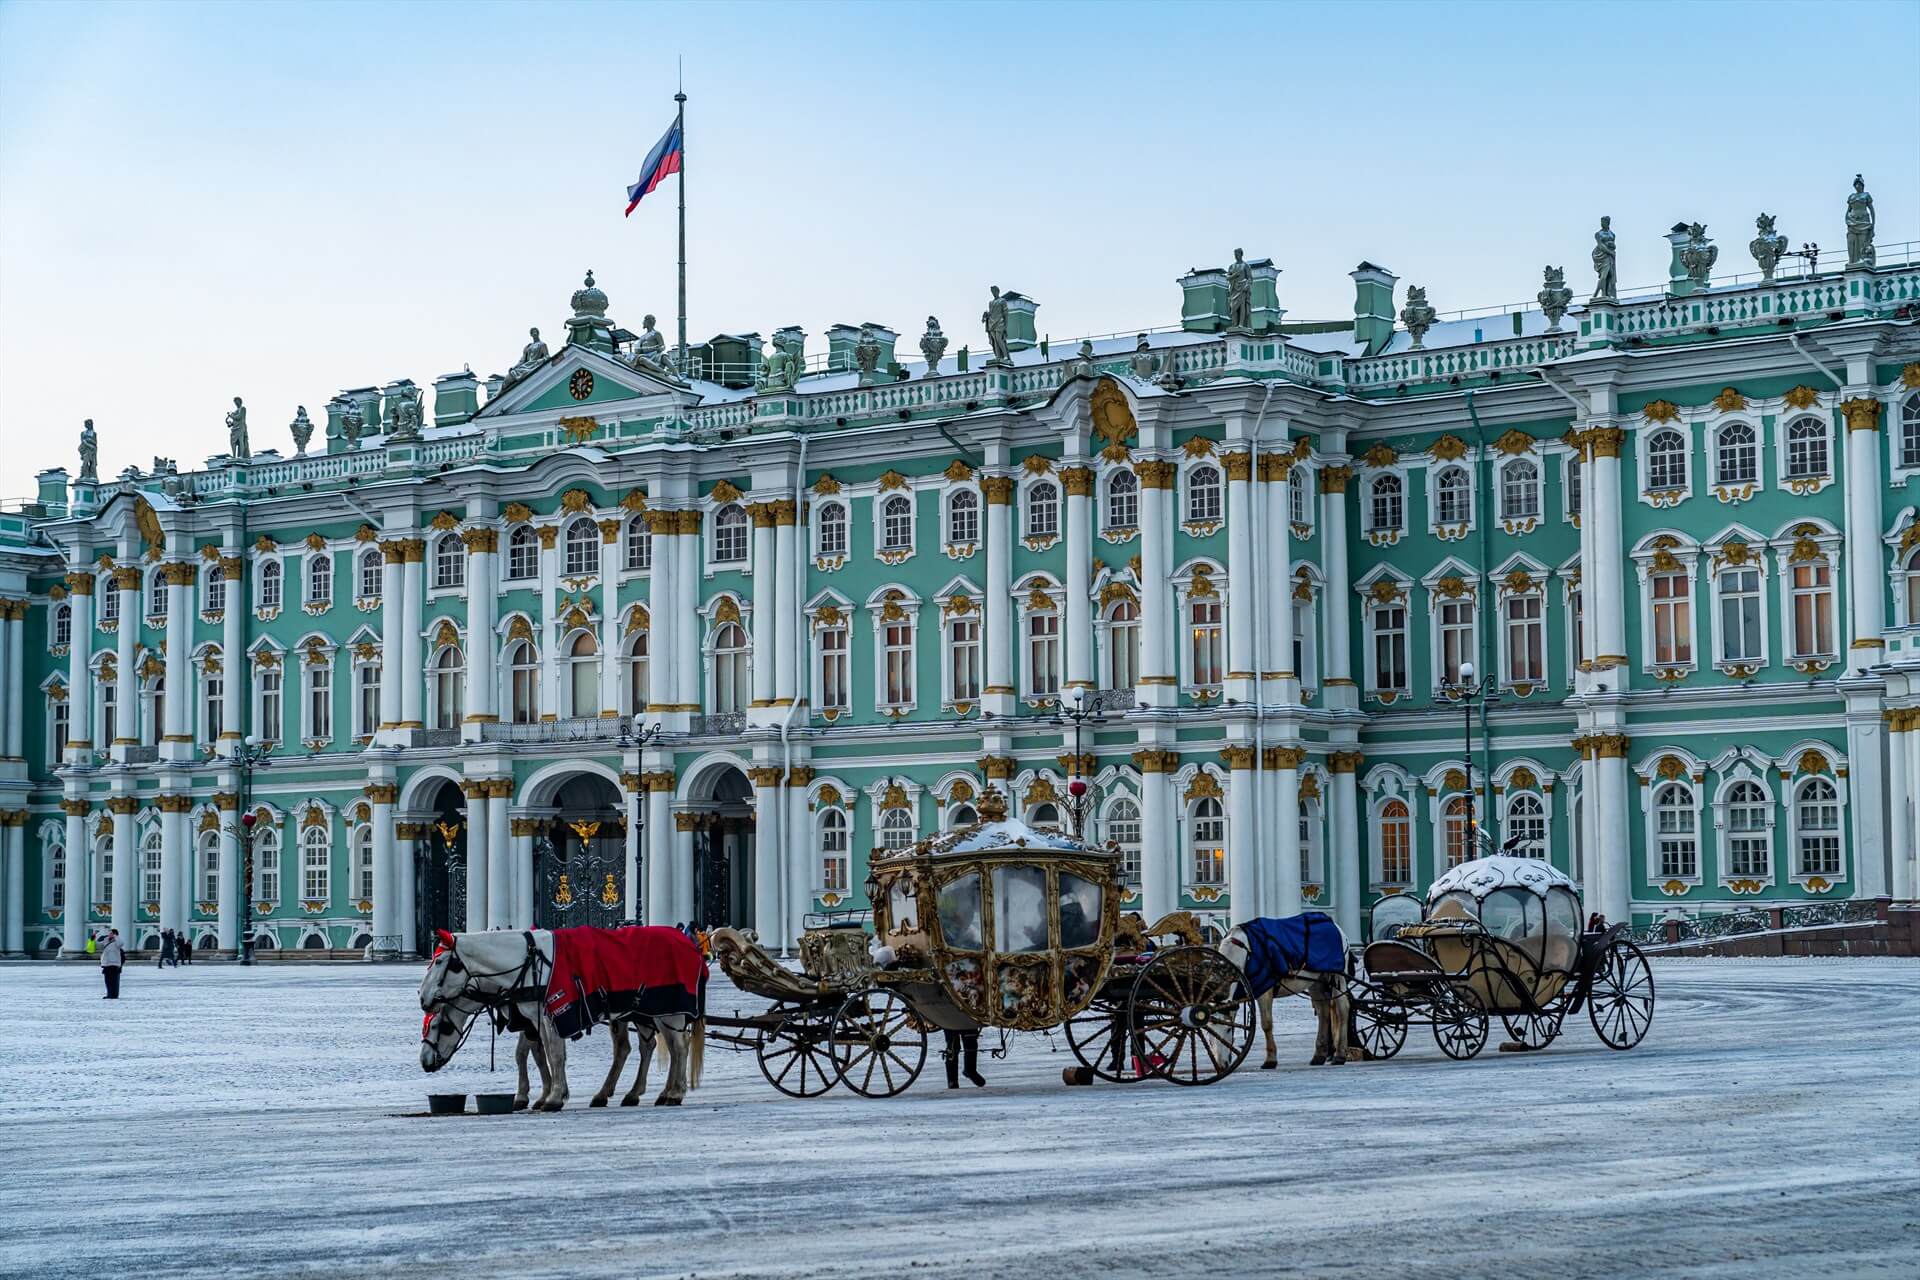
<point>53,490</point>
<point>456,398</point>
<point>1372,306</point>
<point>1021,332</point>
<point>841,339</point>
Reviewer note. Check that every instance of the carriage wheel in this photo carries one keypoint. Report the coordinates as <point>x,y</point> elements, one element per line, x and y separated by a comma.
<point>1460,1025</point>
<point>1380,1026</point>
<point>1099,1039</point>
<point>1190,1016</point>
<point>1534,1030</point>
<point>1620,1002</point>
<point>795,1057</point>
<point>879,1044</point>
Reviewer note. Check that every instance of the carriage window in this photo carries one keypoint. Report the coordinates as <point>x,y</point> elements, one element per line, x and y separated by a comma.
<point>1563,928</point>
<point>903,907</point>
<point>1079,911</point>
<point>1504,913</point>
<point>1394,911</point>
<point>1019,909</point>
<point>960,912</point>
<point>1455,906</point>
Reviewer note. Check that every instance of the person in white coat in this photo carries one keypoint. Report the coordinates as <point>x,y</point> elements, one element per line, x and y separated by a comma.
<point>113,957</point>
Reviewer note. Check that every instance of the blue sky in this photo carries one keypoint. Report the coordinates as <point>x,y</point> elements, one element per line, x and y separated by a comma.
<point>281,200</point>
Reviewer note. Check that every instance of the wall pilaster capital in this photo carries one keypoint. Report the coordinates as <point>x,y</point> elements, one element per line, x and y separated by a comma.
<point>81,584</point>
<point>1862,413</point>
<point>998,490</point>
<point>1154,474</point>
<point>1605,442</point>
<point>123,806</point>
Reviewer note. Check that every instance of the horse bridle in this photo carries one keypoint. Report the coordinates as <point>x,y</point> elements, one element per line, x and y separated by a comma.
<point>515,991</point>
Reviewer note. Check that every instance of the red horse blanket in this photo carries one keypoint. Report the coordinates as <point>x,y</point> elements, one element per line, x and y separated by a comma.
<point>602,973</point>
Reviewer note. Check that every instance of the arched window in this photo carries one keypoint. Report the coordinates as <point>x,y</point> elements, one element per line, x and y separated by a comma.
<point>1043,510</point>
<point>830,533</point>
<point>1806,449</point>
<point>209,867</point>
<point>319,580</point>
<point>266,861</point>
<point>1667,460</point>
<point>1749,840</point>
<point>1208,824</point>
<point>523,553</point>
<point>316,865</point>
<point>963,517</point>
<point>449,687</point>
<point>269,584</point>
<point>583,675</point>
<point>213,590</point>
<point>1386,504</point>
<point>896,829</point>
<point>730,534</point>
<point>1123,645</point>
<point>1910,431</point>
<point>449,563</point>
<point>835,868</point>
<point>1043,652</point>
<point>156,594</point>
<point>637,672</point>
<point>361,845</point>
<point>62,625</point>
<point>1203,493</point>
<point>1452,496</point>
<point>962,816</point>
<point>639,544</point>
<point>1396,843</point>
<point>1736,455</point>
<point>1519,490</point>
<point>371,577</point>
<point>523,683</point>
<point>1676,832</point>
<point>1526,826</point>
<point>1123,501</point>
<point>1300,495</point>
<point>1123,831</point>
<point>896,524</point>
<point>1044,815</point>
<point>152,882</point>
<point>1207,637</point>
<point>1817,828</point>
<point>582,548</point>
<point>729,668</point>
<point>1457,829</point>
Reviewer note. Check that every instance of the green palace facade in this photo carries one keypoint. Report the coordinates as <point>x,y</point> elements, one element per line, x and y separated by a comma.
<point>638,632</point>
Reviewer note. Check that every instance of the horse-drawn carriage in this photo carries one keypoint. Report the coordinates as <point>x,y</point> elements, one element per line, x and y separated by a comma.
<point>1497,935</point>
<point>1001,925</point>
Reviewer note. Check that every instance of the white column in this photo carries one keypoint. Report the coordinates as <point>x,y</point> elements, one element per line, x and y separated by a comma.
<point>483,603</point>
<point>1612,859</point>
<point>658,903</point>
<point>174,859</point>
<point>1276,597</point>
<point>786,601</point>
<point>663,689</point>
<point>1343,849</point>
<point>1604,579</point>
<point>176,732</point>
<point>413,677</point>
<point>520,849</point>
<point>126,862</point>
<point>1867,783</point>
<point>1241,574</point>
<point>610,618</point>
<point>79,903</point>
<point>393,645</point>
<point>15,714</point>
<point>766,577</point>
<point>227,805</point>
<point>386,880</point>
<point>552,631</point>
<point>500,876</point>
<point>479,874</point>
<point>1159,842</point>
<point>767,795</point>
<point>1284,822</point>
<point>1078,483</point>
<point>1866,561</point>
<point>1244,843</point>
<point>1337,603</point>
<point>682,867</point>
<point>405,850</point>
<point>685,616</point>
<point>1909,853</point>
<point>1900,803</point>
<point>633,805</point>
<point>1158,674</point>
<point>235,685</point>
<point>997,612</point>
<point>79,744</point>
<point>127,710</point>
<point>798,864</point>
<point>13,938</point>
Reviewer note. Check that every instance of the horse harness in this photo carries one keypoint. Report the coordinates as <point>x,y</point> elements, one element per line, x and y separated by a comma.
<point>502,1007</point>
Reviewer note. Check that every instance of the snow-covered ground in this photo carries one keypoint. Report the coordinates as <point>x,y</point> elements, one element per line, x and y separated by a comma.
<point>220,1121</point>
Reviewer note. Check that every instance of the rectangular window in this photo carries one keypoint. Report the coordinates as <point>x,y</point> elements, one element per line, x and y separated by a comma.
<point>1678,849</point>
<point>1206,640</point>
<point>368,675</point>
<point>833,669</point>
<point>1123,639</point>
<point>1396,844</point>
<point>963,649</point>
<point>897,638</point>
<point>1813,610</point>
<point>1456,638</point>
<point>1740,615</point>
<point>61,729</point>
<point>1390,648</point>
<point>216,592</point>
<point>1747,851</point>
<point>1573,486</point>
<point>319,702</point>
<point>1043,654</point>
<point>1526,641</point>
<point>1210,847</point>
<point>1672,620</point>
<point>213,706</point>
<point>210,870</point>
<point>1577,612</point>
<point>269,719</point>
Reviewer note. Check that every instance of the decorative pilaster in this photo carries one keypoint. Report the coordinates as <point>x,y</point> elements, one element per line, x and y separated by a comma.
<point>610,617</point>
<point>406,848</point>
<point>1159,678</point>
<point>1337,661</point>
<point>1160,844</point>
<point>1078,482</point>
<point>685,618</point>
<point>126,864</point>
<point>13,684</point>
<point>1241,576</point>
<point>765,620</point>
<point>226,806</point>
<point>413,676</point>
<point>176,859</point>
<point>1282,680</point>
<point>790,564</point>
<point>1603,581</point>
<point>126,733</point>
<point>1900,801</point>
<point>1344,852</point>
<point>1244,872</point>
<point>13,882</point>
<point>500,870</point>
<point>393,620</point>
<point>659,783</point>
<point>1284,897</point>
<point>997,612</point>
<point>176,728</point>
<point>1866,574</point>
<point>73,920</point>
<point>766,853</point>
<point>1613,859</point>
<point>79,744</point>
<point>662,598</point>
<point>483,602</point>
<point>381,797</point>
<point>234,689</point>
<point>479,874</point>
<point>520,833</point>
<point>800,851</point>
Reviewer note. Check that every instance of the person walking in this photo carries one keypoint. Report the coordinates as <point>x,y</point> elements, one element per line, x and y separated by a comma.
<point>962,1054</point>
<point>112,956</point>
<point>166,949</point>
<point>183,949</point>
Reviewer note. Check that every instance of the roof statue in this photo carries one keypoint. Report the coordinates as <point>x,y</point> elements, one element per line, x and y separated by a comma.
<point>778,371</point>
<point>1142,363</point>
<point>406,415</point>
<point>995,318</point>
<point>1239,293</point>
<point>1767,248</point>
<point>302,429</point>
<point>532,356</point>
<point>866,354</point>
<point>1418,315</point>
<point>1860,222</point>
<point>1700,254</point>
<point>1554,296</point>
<point>351,423</point>
<point>237,430</point>
<point>89,453</point>
<point>649,354</point>
<point>1606,282</point>
<point>933,345</point>
<point>1083,359</point>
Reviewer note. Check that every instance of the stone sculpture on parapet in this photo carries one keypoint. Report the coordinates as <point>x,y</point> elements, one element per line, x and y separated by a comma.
<point>237,430</point>
<point>933,345</point>
<point>1606,282</point>
<point>89,454</point>
<point>1860,220</point>
<point>1239,294</point>
<point>995,318</point>
<point>1767,248</point>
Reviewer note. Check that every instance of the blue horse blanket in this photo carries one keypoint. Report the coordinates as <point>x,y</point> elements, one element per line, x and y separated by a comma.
<point>1276,948</point>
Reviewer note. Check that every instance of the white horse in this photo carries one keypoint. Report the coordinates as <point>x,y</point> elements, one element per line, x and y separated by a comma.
<point>1331,1004</point>
<point>473,972</point>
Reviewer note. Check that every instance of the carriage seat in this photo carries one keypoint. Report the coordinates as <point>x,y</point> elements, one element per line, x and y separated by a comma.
<point>1395,961</point>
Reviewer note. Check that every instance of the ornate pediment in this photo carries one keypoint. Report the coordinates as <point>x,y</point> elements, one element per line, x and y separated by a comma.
<point>579,384</point>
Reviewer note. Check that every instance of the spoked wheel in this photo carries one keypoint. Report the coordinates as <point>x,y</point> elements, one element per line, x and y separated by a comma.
<point>1379,1025</point>
<point>1191,1016</point>
<point>1620,1002</point>
<point>878,1043</point>
<point>1534,1030</point>
<point>1099,1039</point>
<point>1460,1025</point>
<point>795,1056</point>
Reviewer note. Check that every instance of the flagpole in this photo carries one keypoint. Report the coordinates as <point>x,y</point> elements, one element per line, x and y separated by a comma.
<point>681,124</point>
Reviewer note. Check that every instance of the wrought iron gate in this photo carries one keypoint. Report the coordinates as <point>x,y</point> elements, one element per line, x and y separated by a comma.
<point>440,880</point>
<point>580,867</point>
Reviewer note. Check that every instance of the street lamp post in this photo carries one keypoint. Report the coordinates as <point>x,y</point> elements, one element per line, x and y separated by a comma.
<point>248,756</point>
<point>1079,798</point>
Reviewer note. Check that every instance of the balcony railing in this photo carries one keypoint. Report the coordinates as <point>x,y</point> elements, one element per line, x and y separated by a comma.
<point>720,725</point>
<point>572,729</point>
<point>1106,700</point>
<point>436,737</point>
<point>142,755</point>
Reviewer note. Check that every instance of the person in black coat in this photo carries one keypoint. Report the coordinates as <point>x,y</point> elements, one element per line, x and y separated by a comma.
<point>166,949</point>
<point>183,950</point>
<point>962,1056</point>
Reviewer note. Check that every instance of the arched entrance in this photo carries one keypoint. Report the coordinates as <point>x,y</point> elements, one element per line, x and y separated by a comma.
<point>723,843</point>
<point>580,857</point>
<point>440,866</point>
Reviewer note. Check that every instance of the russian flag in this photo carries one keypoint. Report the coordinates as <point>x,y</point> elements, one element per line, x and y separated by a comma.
<point>662,161</point>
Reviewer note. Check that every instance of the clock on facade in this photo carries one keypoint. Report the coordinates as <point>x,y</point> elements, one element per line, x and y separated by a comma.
<point>580,385</point>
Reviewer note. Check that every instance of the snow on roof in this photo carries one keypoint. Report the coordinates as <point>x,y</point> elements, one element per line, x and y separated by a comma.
<point>1482,876</point>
